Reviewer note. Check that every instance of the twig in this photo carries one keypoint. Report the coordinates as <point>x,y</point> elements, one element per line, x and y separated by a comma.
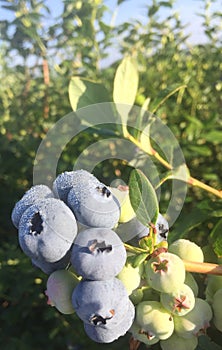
<point>190,180</point>
<point>207,268</point>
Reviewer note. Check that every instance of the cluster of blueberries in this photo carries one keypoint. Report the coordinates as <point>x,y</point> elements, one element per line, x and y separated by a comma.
<point>74,223</point>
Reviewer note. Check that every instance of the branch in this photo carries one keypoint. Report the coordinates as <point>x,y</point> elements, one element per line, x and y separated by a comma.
<point>191,180</point>
<point>45,68</point>
<point>207,268</point>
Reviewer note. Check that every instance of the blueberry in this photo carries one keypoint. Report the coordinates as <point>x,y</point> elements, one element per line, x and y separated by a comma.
<point>162,229</point>
<point>134,228</point>
<point>93,204</point>
<point>65,181</point>
<point>48,267</point>
<point>100,302</point>
<point>60,285</point>
<point>47,230</point>
<point>34,194</point>
<point>101,334</point>
<point>98,254</point>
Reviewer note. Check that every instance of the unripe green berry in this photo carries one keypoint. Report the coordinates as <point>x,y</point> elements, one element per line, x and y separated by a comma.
<point>60,286</point>
<point>130,276</point>
<point>140,335</point>
<point>126,209</point>
<point>165,272</point>
<point>195,321</point>
<point>178,343</point>
<point>179,302</point>
<point>187,250</point>
<point>154,320</point>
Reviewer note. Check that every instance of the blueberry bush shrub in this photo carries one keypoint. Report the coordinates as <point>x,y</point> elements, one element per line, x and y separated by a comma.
<point>54,64</point>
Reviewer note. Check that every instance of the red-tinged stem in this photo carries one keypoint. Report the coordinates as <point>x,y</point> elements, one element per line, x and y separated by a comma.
<point>134,344</point>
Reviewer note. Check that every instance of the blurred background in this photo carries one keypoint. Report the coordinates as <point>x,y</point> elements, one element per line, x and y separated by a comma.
<point>45,43</point>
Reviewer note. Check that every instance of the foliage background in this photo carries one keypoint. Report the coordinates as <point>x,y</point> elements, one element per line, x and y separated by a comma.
<point>39,55</point>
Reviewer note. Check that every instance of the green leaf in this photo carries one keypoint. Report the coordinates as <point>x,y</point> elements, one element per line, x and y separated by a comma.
<point>125,86</point>
<point>214,136</point>
<point>216,238</point>
<point>166,4</point>
<point>143,198</point>
<point>201,150</point>
<point>153,10</point>
<point>84,92</point>
<point>139,259</point>
<point>120,2</point>
<point>164,95</point>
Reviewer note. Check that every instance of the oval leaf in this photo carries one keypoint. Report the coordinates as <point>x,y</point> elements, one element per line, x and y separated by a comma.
<point>125,86</point>
<point>143,198</point>
<point>84,92</point>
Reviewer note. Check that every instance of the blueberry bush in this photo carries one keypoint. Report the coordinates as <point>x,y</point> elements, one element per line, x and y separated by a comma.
<point>164,95</point>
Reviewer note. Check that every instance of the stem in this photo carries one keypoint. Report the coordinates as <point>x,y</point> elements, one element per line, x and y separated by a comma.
<point>134,344</point>
<point>197,183</point>
<point>134,250</point>
<point>191,180</point>
<point>45,68</point>
<point>208,268</point>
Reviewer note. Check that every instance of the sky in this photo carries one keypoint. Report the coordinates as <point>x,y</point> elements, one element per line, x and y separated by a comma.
<point>188,10</point>
<point>136,9</point>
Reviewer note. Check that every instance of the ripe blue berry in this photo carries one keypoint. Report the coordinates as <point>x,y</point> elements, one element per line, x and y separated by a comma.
<point>101,334</point>
<point>100,302</point>
<point>134,228</point>
<point>65,181</point>
<point>162,229</point>
<point>98,254</point>
<point>48,267</point>
<point>47,230</point>
<point>93,204</point>
<point>33,195</point>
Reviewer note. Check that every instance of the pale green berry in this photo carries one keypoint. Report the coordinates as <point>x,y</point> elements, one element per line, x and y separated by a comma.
<point>187,250</point>
<point>126,209</point>
<point>130,276</point>
<point>217,309</point>
<point>165,272</point>
<point>191,282</point>
<point>195,321</point>
<point>213,284</point>
<point>179,302</point>
<point>140,335</point>
<point>154,320</point>
<point>178,343</point>
<point>60,286</point>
